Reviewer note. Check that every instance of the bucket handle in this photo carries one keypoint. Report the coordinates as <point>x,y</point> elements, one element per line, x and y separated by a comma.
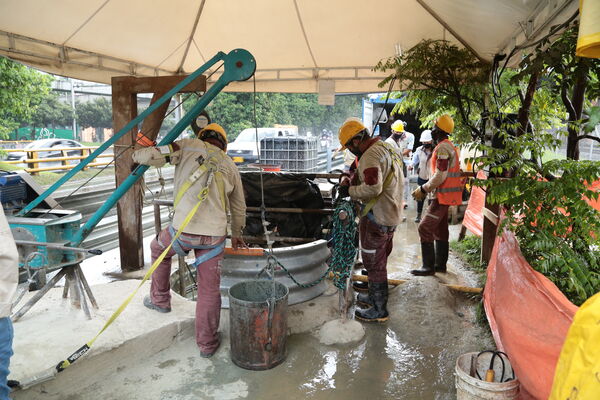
<point>495,354</point>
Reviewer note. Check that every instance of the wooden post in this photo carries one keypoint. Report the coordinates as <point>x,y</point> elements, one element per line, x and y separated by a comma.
<point>129,207</point>
<point>490,228</point>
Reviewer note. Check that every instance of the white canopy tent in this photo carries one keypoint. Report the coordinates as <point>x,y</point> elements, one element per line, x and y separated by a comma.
<point>296,43</point>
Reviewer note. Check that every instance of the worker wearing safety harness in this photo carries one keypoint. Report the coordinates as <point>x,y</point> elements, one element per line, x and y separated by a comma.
<point>378,184</point>
<point>203,170</point>
<point>447,184</point>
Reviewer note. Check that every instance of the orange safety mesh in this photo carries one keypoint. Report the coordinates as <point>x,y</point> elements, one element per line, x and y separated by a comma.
<point>528,315</point>
<point>473,219</point>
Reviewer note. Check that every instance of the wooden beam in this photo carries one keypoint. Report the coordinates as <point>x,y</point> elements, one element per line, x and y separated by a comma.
<point>156,84</point>
<point>124,105</point>
<point>490,228</point>
<point>129,207</point>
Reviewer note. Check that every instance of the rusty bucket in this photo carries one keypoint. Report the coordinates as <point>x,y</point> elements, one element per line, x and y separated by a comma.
<point>258,330</point>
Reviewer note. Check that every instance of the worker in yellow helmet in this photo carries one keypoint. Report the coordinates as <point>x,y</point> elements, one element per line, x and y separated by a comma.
<point>195,160</point>
<point>447,185</point>
<point>377,184</point>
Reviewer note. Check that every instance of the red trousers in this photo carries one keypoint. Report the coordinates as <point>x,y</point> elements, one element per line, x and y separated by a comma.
<point>208,278</point>
<point>376,242</point>
<point>434,225</point>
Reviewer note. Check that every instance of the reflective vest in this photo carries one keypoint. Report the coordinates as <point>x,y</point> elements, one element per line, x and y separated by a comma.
<point>450,191</point>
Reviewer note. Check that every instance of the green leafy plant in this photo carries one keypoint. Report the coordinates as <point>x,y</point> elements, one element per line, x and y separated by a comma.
<point>558,231</point>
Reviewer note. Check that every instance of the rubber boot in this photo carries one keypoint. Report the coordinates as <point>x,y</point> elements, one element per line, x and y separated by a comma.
<point>359,286</point>
<point>418,217</point>
<point>364,300</point>
<point>441,256</point>
<point>428,254</point>
<point>378,292</point>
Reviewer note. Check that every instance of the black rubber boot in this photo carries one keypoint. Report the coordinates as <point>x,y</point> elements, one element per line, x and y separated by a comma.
<point>378,293</point>
<point>428,254</point>
<point>362,287</point>
<point>364,300</point>
<point>441,256</point>
<point>418,217</point>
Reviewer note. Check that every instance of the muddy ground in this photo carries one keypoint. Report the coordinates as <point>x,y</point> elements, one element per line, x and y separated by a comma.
<point>412,356</point>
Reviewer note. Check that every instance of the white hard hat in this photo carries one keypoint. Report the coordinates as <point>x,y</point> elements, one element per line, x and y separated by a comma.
<point>426,136</point>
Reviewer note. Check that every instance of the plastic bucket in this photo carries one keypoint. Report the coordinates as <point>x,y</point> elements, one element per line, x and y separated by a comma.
<point>253,345</point>
<point>469,387</point>
<point>267,167</point>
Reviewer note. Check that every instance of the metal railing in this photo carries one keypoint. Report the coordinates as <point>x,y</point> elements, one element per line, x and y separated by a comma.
<point>33,160</point>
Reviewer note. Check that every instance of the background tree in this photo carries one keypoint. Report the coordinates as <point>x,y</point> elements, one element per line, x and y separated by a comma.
<point>21,90</point>
<point>235,111</point>
<point>51,112</point>
<point>96,113</point>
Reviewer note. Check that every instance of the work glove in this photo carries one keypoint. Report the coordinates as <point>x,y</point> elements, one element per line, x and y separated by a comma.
<point>419,194</point>
<point>344,190</point>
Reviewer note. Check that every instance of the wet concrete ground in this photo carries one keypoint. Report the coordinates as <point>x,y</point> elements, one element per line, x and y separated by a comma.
<point>412,356</point>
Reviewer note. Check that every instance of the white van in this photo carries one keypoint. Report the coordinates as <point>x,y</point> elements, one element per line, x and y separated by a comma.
<point>243,149</point>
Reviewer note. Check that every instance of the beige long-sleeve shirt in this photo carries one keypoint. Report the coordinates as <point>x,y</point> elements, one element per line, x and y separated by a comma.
<point>9,266</point>
<point>446,159</point>
<point>210,218</point>
<point>373,168</point>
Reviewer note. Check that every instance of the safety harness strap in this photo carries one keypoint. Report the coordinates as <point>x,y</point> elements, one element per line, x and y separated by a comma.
<point>217,249</point>
<point>198,173</point>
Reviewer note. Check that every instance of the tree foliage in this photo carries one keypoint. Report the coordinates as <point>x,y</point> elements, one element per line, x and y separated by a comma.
<point>439,77</point>
<point>21,91</point>
<point>51,112</point>
<point>235,111</point>
<point>96,113</point>
<point>573,80</point>
<point>544,200</point>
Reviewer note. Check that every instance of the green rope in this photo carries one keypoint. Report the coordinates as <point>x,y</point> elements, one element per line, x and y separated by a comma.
<point>344,249</point>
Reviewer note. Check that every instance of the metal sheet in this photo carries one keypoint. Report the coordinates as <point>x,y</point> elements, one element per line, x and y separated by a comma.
<point>306,262</point>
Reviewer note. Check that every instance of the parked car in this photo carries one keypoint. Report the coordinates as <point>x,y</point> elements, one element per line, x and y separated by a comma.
<point>49,144</point>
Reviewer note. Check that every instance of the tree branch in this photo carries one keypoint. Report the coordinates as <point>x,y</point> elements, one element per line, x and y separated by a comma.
<point>596,138</point>
<point>567,101</point>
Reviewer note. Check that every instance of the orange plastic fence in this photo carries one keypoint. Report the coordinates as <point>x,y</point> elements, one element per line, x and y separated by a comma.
<point>528,315</point>
<point>473,219</point>
<point>596,188</point>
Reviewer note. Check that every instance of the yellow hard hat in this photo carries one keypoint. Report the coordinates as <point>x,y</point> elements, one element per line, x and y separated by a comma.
<point>445,123</point>
<point>348,130</point>
<point>214,127</point>
<point>398,126</point>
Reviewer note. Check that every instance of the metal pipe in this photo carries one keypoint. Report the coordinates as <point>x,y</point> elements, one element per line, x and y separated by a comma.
<point>261,239</point>
<point>239,66</point>
<point>58,246</point>
<point>268,209</point>
<point>167,97</point>
<point>293,210</point>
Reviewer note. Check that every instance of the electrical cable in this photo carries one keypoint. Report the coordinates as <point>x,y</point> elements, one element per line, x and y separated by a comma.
<point>387,97</point>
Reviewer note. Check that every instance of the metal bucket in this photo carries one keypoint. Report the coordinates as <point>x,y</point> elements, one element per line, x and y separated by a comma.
<point>256,344</point>
<point>470,388</point>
